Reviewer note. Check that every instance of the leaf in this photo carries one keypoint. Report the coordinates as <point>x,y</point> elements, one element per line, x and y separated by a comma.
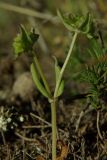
<point>39,157</point>
<point>82,24</point>
<point>57,69</point>
<point>60,89</point>
<point>37,82</point>
<point>18,45</point>
<point>57,73</point>
<point>90,75</point>
<point>66,20</point>
<point>87,26</point>
<point>63,150</point>
<point>24,41</point>
<point>96,51</point>
<point>33,36</point>
<point>85,22</point>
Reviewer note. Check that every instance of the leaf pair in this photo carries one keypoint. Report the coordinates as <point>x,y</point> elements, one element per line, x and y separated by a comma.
<point>81,24</point>
<point>40,86</point>
<point>37,82</point>
<point>24,41</point>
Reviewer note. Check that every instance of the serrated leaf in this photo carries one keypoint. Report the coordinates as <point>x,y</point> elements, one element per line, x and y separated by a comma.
<point>18,45</point>
<point>66,20</point>
<point>83,24</point>
<point>61,89</point>
<point>37,82</point>
<point>24,41</point>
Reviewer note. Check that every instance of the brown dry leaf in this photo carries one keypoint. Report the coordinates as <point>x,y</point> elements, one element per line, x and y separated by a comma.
<point>63,150</point>
<point>59,158</point>
<point>39,157</point>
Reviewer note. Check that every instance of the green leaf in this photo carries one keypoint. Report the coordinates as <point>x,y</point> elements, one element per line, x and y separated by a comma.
<point>24,41</point>
<point>57,73</point>
<point>82,24</point>
<point>95,49</point>
<point>66,20</point>
<point>57,69</point>
<point>87,25</point>
<point>61,89</point>
<point>37,82</point>
<point>85,22</point>
<point>33,36</point>
<point>18,45</point>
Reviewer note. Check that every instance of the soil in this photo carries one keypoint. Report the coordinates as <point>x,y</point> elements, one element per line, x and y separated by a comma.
<point>30,138</point>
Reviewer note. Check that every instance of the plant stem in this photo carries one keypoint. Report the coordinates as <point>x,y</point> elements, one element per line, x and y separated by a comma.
<point>98,128</point>
<point>39,68</point>
<point>65,63</point>
<point>25,11</point>
<point>54,128</point>
<point>53,102</point>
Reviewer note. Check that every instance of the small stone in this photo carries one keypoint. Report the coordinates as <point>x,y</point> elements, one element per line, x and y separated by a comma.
<point>9,120</point>
<point>21,118</point>
<point>24,86</point>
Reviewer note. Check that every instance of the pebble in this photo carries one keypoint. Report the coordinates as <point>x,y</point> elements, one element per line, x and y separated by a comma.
<point>24,86</point>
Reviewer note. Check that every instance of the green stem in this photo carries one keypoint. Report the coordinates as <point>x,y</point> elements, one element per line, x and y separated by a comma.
<point>54,128</point>
<point>65,64</point>
<point>39,68</point>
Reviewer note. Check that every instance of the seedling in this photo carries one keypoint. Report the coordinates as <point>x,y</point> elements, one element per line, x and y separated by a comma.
<point>25,41</point>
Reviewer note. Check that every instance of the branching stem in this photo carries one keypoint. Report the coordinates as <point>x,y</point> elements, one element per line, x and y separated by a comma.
<point>53,102</point>
<point>65,64</point>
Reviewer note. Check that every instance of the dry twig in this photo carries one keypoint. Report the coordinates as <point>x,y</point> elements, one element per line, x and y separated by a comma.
<point>98,128</point>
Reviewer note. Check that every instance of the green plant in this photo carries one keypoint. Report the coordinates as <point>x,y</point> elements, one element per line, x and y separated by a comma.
<point>95,74</point>
<point>24,42</point>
